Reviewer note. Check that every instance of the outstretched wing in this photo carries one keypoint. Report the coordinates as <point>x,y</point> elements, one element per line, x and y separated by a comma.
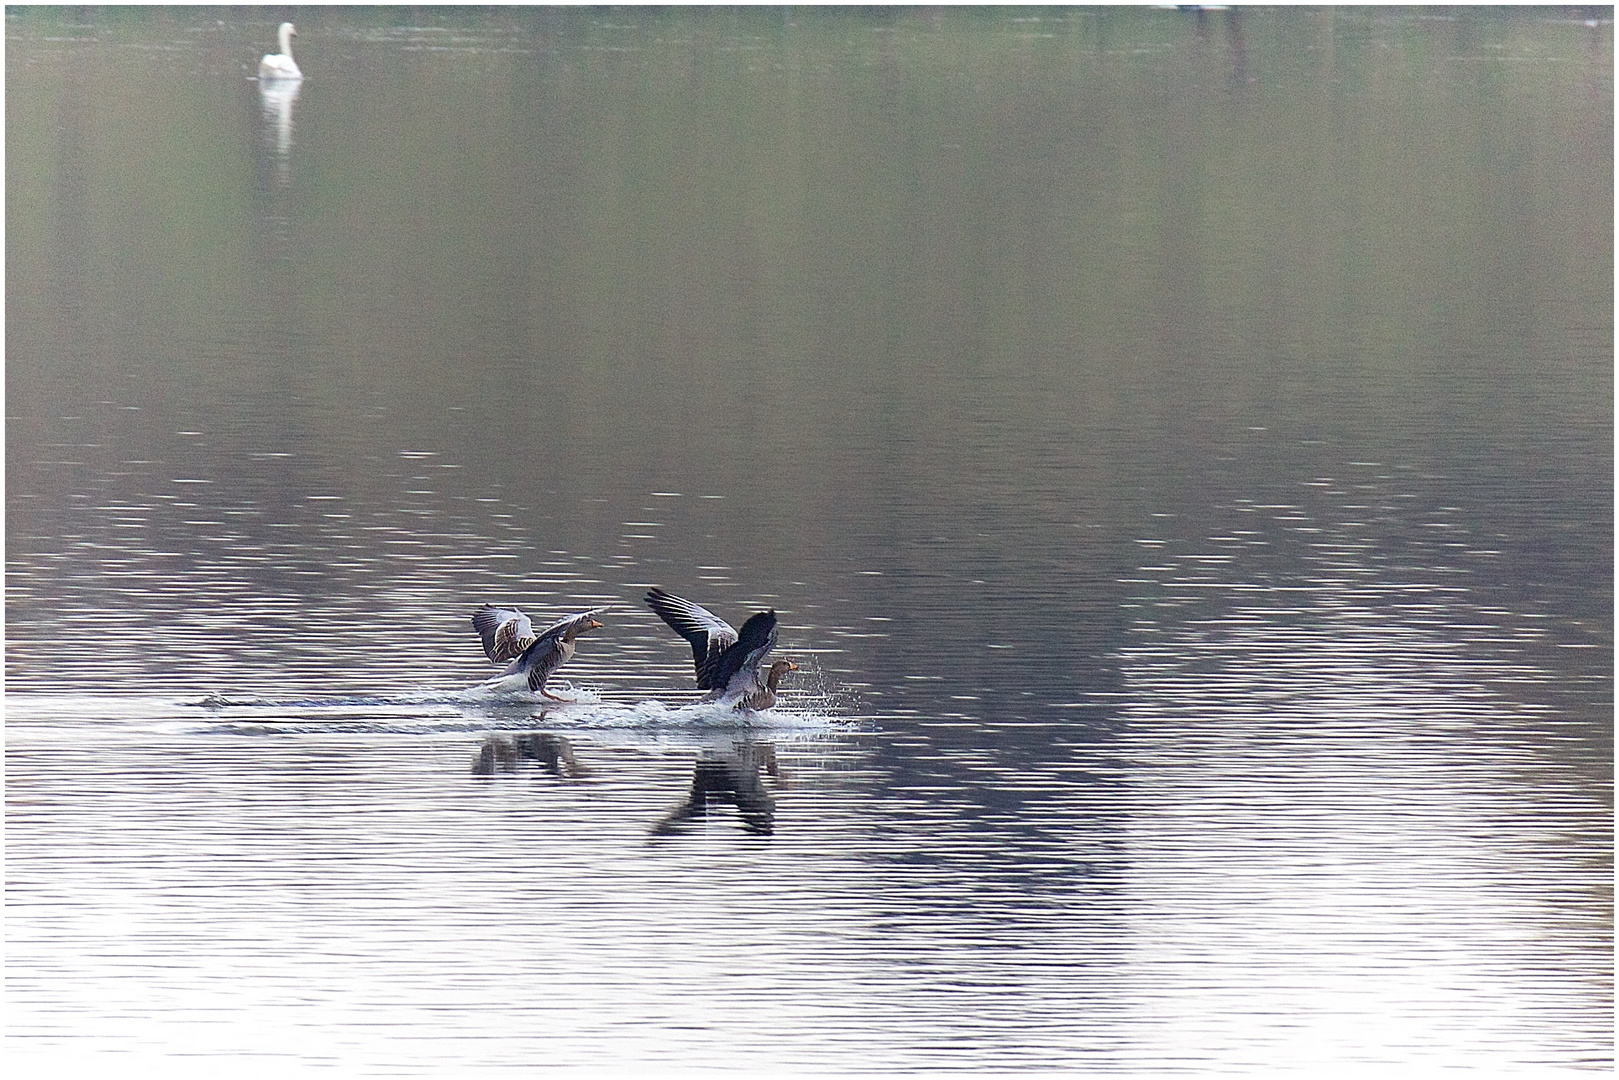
<point>757,638</point>
<point>551,649</point>
<point>559,629</point>
<point>543,657</point>
<point>709,635</point>
<point>507,633</point>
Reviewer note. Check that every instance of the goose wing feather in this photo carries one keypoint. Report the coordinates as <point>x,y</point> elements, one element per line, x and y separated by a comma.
<point>560,628</point>
<point>742,659</point>
<point>541,658</point>
<point>507,633</point>
<point>550,650</point>
<point>709,635</point>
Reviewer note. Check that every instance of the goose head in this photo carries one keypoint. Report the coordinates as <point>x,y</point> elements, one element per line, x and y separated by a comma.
<point>777,670</point>
<point>583,628</point>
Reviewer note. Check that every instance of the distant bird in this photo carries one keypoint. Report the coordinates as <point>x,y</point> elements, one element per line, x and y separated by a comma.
<point>508,635</point>
<point>727,661</point>
<point>281,65</point>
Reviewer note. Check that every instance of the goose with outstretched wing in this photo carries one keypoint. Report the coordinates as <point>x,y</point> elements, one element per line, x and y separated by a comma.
<point>727,660</point>
<point>530,659</point>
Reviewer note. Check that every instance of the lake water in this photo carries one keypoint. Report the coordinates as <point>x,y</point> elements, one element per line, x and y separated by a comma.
<point>1179,447</point>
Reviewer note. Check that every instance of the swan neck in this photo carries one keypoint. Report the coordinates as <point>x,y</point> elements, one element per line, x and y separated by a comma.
<point>286,40</point>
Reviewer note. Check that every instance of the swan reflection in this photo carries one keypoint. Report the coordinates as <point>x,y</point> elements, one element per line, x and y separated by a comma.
<point>276,98</point>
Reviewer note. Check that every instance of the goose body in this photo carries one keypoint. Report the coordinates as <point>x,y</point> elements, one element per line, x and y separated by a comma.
<point>508,637</point>
<point>281,66</point>
<point>765,696</point>
<point>726,660</point>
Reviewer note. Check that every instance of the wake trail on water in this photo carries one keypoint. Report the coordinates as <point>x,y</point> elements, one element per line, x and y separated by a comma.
<point>487,707</point>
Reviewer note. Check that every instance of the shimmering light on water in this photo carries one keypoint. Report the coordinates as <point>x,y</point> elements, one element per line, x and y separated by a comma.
<point>1331,734</point>
<point>1178,446</point>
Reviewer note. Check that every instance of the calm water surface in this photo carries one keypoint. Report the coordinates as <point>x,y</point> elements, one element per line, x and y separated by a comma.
<point>1179,447</point>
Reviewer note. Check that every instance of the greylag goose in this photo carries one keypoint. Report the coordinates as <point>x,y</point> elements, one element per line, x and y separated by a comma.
<point>281,65</point>
<point>727,660</point>
<point>508,635</point>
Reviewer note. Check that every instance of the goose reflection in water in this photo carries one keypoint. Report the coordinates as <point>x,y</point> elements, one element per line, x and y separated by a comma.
<point>553,752</point>
<point>735,778</point>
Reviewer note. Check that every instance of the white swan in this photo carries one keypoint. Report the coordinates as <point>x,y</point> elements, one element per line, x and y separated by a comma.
<point>281,65</point>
